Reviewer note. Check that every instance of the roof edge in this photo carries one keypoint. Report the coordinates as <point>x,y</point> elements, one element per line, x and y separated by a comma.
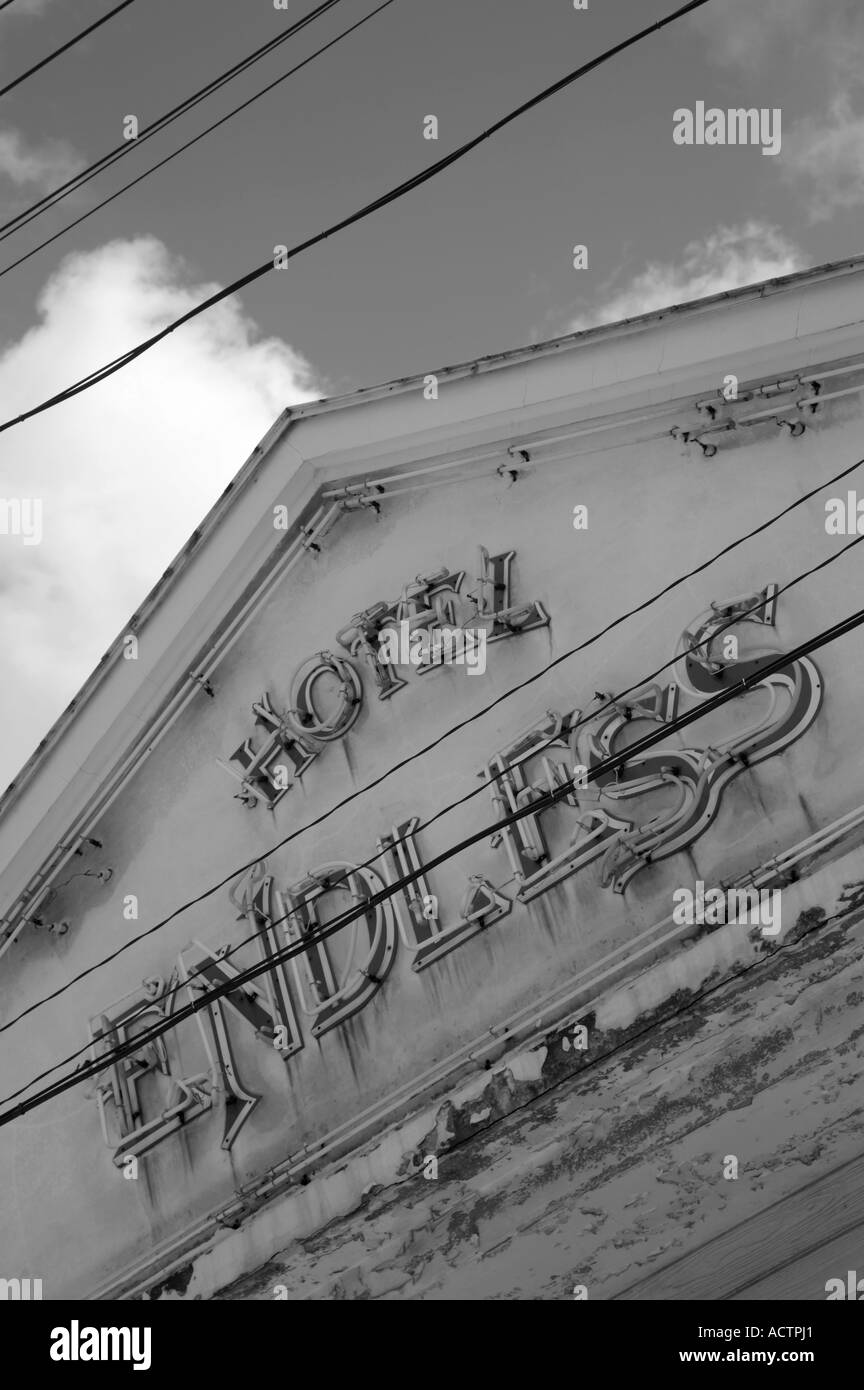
<point>588,336</point>
<point>275,434</point>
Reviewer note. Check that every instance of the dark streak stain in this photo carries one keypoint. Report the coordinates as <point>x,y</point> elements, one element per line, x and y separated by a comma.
<point>178,1283</point>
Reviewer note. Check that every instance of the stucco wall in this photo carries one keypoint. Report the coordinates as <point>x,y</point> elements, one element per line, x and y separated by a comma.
<point>655,511</point>
<point>618,1181</point>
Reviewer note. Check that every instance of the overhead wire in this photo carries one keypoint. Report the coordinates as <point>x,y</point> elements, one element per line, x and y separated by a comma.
<point>542,803</point>
<point>456,728</point>
<point>84,176</point>
<point>189,143</point>
<point>400,190</point>
<point>64,48</point>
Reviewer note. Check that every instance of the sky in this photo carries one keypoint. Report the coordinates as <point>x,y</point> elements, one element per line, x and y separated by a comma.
<point>477,261</point>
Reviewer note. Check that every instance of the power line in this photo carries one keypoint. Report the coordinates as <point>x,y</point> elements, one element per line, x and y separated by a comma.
<point>399,191</point>
<point>189,143</point>
<point>606,765</point>
<point>456,728</point>
<point>598,1059</point>
<point>609,764</point>
<point>64,47</point>
<point>77,181</point>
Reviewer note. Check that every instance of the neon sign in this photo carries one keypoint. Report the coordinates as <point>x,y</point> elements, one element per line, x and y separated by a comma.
<point>319,992</point>
<point>297,736</point>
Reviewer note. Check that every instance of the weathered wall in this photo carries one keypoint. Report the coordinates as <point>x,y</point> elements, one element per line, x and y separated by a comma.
<point>655,511</point>
<point>614,1180</point>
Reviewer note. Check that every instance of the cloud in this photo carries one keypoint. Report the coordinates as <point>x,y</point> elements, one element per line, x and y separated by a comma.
<point>748,34</point>
<point>828,154</point>
<point>127,470</point>
<point>724,260</point>
<point>828,37</point>
<point>30,8</point>
<point>42,166</point>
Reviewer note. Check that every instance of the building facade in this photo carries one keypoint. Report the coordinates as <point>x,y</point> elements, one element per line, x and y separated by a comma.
<point>522,1065</point>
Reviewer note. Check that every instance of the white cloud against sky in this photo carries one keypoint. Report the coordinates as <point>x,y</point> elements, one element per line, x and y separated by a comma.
<point>31,8</point>
<point>725,259</point>
<point>126,471</point>
<point>749,33</point>
<point>37,166</point>
<point>824,162</point>
<point>757,35</point>
<point>29,165</point>
<point>827,158</point>
<point>823,153</point>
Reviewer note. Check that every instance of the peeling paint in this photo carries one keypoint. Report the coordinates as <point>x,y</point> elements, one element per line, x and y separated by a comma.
<point>625,1125</point>
<point>528,1066</point>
